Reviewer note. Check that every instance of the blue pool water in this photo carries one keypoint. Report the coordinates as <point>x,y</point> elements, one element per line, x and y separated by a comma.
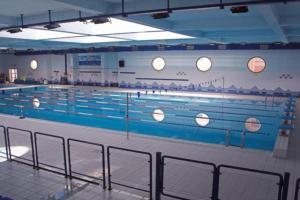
<point>108,110</point>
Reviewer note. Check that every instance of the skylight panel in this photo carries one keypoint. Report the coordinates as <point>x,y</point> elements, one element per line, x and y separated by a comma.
<point>88,39</point>
<point>161,35</point>
<point>36,34</point>
<point>114,26</point>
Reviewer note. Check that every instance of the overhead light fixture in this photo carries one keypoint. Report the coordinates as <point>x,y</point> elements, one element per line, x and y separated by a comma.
<point>14,30</point>
<point>239,9</point>
<point>101,20</point>
<point>162,15</point>
<point>51,25</point>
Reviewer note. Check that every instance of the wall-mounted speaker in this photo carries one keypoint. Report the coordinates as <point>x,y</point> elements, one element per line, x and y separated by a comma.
<point>121,63</point>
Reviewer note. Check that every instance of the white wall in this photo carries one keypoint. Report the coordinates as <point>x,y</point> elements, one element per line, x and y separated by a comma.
<point>232,64</point>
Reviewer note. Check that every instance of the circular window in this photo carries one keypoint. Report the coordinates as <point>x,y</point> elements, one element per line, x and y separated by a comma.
<point>256,64</point>
<point>158,63</point>
<point>252,124</point>
<point>202,119</point>
<point>33,64</point>
<point>36,103</point>
<point>204,64</point>
<point>158,115</point>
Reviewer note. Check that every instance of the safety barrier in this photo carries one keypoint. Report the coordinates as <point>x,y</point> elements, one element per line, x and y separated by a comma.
<point>110,181</point>
<point>212,168</point>
<point>86,177</point>
<point>163,163</point>
<point>297,189</point>
<point>282,184</point>
<point>5,142</point>
<point>16,158</point>
<point>46,166</point>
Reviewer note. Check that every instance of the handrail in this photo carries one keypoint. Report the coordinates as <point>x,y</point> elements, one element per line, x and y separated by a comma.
<point>31,142</point>
<point>48,165</point>
<point>281,179</point>
<point>297,189</point>
<point>110,182</point>
<point>5,141</point>
<point>69,140</point>
<point>163,163</point>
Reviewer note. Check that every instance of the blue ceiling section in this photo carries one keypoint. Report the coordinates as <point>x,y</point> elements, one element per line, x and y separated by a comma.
<point>264,23</point>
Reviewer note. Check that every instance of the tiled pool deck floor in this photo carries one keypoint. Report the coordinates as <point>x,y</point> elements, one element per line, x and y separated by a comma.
<point>22,182</point>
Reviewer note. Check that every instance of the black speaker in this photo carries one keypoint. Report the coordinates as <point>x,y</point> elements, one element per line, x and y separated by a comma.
<point>121,63</point>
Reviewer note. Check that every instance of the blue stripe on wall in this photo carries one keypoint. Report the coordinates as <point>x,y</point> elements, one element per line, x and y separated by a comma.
<point>127,72</point>
<point>162,79</point>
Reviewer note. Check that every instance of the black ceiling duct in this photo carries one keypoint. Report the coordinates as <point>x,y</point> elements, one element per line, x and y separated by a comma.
<point>14,30</point>
<point>51,25</point>
<point>239,9</point>
<point>162,15</point>
<point>101,20</point>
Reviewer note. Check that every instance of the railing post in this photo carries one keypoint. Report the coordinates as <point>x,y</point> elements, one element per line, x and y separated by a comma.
<point>297,189</point>
<point>158,177</point>
<point>215,186</point>
<point>285,186</point>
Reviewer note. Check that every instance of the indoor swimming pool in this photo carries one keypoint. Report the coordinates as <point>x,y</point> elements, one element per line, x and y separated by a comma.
<point>234,122</point>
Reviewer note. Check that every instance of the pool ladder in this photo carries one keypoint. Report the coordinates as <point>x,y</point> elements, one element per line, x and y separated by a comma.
<point>228,138</point>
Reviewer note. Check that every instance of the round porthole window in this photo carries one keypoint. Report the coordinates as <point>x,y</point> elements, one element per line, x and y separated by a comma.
<point>36,103</point>
<point>252,124</point>
<point>256,64</point>
<point>158,63</point>
<point>202,119</point>
<point>33,64</point>
<point>158,115</point>
<point>204,64</point>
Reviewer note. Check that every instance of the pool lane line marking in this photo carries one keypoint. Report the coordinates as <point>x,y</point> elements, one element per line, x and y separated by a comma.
<point>135,111</point>
<point>115,99</point>
<point>56,110</point>
<point>98,98</point>
<point>114,117</point>
<point>62,99</point>
<point>2,104</point>
<point>24,100</point>
<point>105,108</point>
<point>102,102</point>
<point>81,106</point>
<point>87,114</point>
<point>81,100</point>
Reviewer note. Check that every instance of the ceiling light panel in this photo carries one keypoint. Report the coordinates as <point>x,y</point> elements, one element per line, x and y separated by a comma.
<point>161,35</point>
<point>88,39</point>
<point>114,26</point>
<point>36,34</point>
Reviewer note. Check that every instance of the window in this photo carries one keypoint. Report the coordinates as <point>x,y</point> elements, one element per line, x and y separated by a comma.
<point>204,64</point>
<point>256,64</point>
<point>158,115</point>
<point>202,119</point>
<point>13,75</point>
<point>158,63</point>
<point>252,124</point>
<point>33,64</point>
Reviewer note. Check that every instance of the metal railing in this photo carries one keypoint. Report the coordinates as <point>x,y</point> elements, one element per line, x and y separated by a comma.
<point>19,158</point>
<point>297,189</point>
<point>282,184</point>
<point>5,141</point>
<point>82,176</point>
<point>201,163</point>
<point>110,181</point>
<point>50,167</point>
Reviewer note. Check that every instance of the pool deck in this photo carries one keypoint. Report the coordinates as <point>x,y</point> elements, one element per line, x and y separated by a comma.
<point>41,184</point>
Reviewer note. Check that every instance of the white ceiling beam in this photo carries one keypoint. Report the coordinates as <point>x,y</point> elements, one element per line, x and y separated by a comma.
<point>272,20</point>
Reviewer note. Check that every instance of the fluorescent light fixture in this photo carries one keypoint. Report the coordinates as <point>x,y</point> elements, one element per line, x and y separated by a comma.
<point>116,26</point>
<point>161,35</point>
<point>36,34</point>
<point>88,39</point>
